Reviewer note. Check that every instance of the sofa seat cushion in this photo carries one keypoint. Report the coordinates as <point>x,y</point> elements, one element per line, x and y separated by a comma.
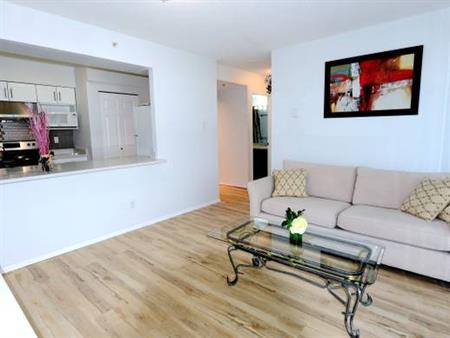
<point>397,226</point>
<point>318,211</point>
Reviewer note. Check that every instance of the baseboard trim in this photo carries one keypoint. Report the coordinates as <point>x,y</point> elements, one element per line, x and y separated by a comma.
<point>82,244</point>
<point>234,185</point>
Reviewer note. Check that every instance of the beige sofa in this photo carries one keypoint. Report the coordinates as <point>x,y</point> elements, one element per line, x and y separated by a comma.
<point>363,204</point>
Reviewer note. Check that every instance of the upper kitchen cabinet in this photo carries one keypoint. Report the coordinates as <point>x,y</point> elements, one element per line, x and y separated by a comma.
<point>55,95</point>
<point>66,95</point>
<point>20,92</point>
<point>4,91</point>
<point>46,94</point>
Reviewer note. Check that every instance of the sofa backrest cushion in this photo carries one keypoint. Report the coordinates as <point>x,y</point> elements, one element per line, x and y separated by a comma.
<point>386,188</point>
<point>327,181</point>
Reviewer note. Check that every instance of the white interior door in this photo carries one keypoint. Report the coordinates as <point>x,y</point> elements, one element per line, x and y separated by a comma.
<point>127,103</point>
<point>143,128</point>
<point>118,124</point>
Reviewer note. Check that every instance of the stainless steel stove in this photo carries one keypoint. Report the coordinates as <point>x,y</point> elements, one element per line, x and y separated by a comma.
<point>18,154</point>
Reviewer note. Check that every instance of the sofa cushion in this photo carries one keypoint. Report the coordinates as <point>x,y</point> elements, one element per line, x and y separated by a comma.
<point>445,214</point>
<point>318,211</point>
<point>395,225</point>
<point>429,199</point>
<point>290,182</point>
<point>327,181</point>
<point>386,188</point>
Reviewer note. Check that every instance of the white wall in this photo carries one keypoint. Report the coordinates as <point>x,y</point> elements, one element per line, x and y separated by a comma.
<point>33,71</point>
<point>43,216</point>
<point>82,136</point>
<point>408,142</point>
<point>254,84</point>
<point>234,143</point>
<point>254,81</point>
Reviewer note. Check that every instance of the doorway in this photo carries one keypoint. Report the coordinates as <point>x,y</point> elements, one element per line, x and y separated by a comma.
<point>234,134</point>
<point>260,122</point>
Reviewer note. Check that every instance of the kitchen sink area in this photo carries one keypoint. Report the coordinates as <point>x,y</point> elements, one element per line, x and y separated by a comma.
<point>69,155</point>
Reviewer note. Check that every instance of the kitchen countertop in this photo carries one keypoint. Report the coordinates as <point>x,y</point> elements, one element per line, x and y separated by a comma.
<point>21,174</point>
<point>67,155</point>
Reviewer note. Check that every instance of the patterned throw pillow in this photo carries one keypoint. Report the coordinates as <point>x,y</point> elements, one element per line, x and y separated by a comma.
<point>428,199</point>
<point>445,214</point>
<point>291,182</point>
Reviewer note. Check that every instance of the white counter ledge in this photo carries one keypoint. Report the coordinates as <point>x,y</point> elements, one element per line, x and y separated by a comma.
<point>21,174</point>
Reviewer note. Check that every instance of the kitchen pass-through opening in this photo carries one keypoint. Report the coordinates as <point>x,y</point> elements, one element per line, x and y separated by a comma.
<point>96,109</point>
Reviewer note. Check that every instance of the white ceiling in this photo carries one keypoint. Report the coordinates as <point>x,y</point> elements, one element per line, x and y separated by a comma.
<point>239,33</point>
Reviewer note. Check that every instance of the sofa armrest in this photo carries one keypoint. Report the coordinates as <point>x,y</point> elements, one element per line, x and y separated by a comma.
<point>258,191</point>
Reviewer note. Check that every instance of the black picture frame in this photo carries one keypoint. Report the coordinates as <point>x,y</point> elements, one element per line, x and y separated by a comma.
<point>415,90</point>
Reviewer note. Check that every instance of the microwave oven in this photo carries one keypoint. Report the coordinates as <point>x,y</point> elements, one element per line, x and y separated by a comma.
<point>62,120</point>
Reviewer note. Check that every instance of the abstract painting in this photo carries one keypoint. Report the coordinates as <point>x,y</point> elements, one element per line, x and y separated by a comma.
<point>380,84</point>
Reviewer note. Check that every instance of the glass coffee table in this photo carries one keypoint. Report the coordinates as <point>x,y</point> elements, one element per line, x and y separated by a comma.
<point>328,262</point>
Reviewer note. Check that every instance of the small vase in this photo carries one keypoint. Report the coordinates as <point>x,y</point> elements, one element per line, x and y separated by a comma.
<point>295,239</point>
<point>46,162</point>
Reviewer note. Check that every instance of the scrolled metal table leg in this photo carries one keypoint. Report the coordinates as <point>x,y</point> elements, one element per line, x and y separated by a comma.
<point>351,305</point>
<point>235,268</point>
<point>257,262</point>
<point>368,300</point>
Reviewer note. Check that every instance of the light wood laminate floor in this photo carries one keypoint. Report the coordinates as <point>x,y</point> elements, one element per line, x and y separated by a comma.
<point>168,280</point>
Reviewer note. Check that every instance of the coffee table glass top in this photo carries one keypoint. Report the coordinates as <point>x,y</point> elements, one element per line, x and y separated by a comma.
<point>318,251</point>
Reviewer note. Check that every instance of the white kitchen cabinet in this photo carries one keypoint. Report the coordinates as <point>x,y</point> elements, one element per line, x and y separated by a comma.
<point>4,91</point>
<point>66,95</point>
<point>25,92</point>
<point>55,95</point>
<point>46,94</point>
<point>22,92</point>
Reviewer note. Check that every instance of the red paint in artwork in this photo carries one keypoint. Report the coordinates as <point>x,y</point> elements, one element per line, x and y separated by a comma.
<point>374,73</point>
<point>377,72</point>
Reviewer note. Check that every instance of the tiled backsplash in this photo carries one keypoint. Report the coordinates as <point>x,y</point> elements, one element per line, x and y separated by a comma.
<point>15,130</point>
<point>65,139</point>
<point>18,130</point>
